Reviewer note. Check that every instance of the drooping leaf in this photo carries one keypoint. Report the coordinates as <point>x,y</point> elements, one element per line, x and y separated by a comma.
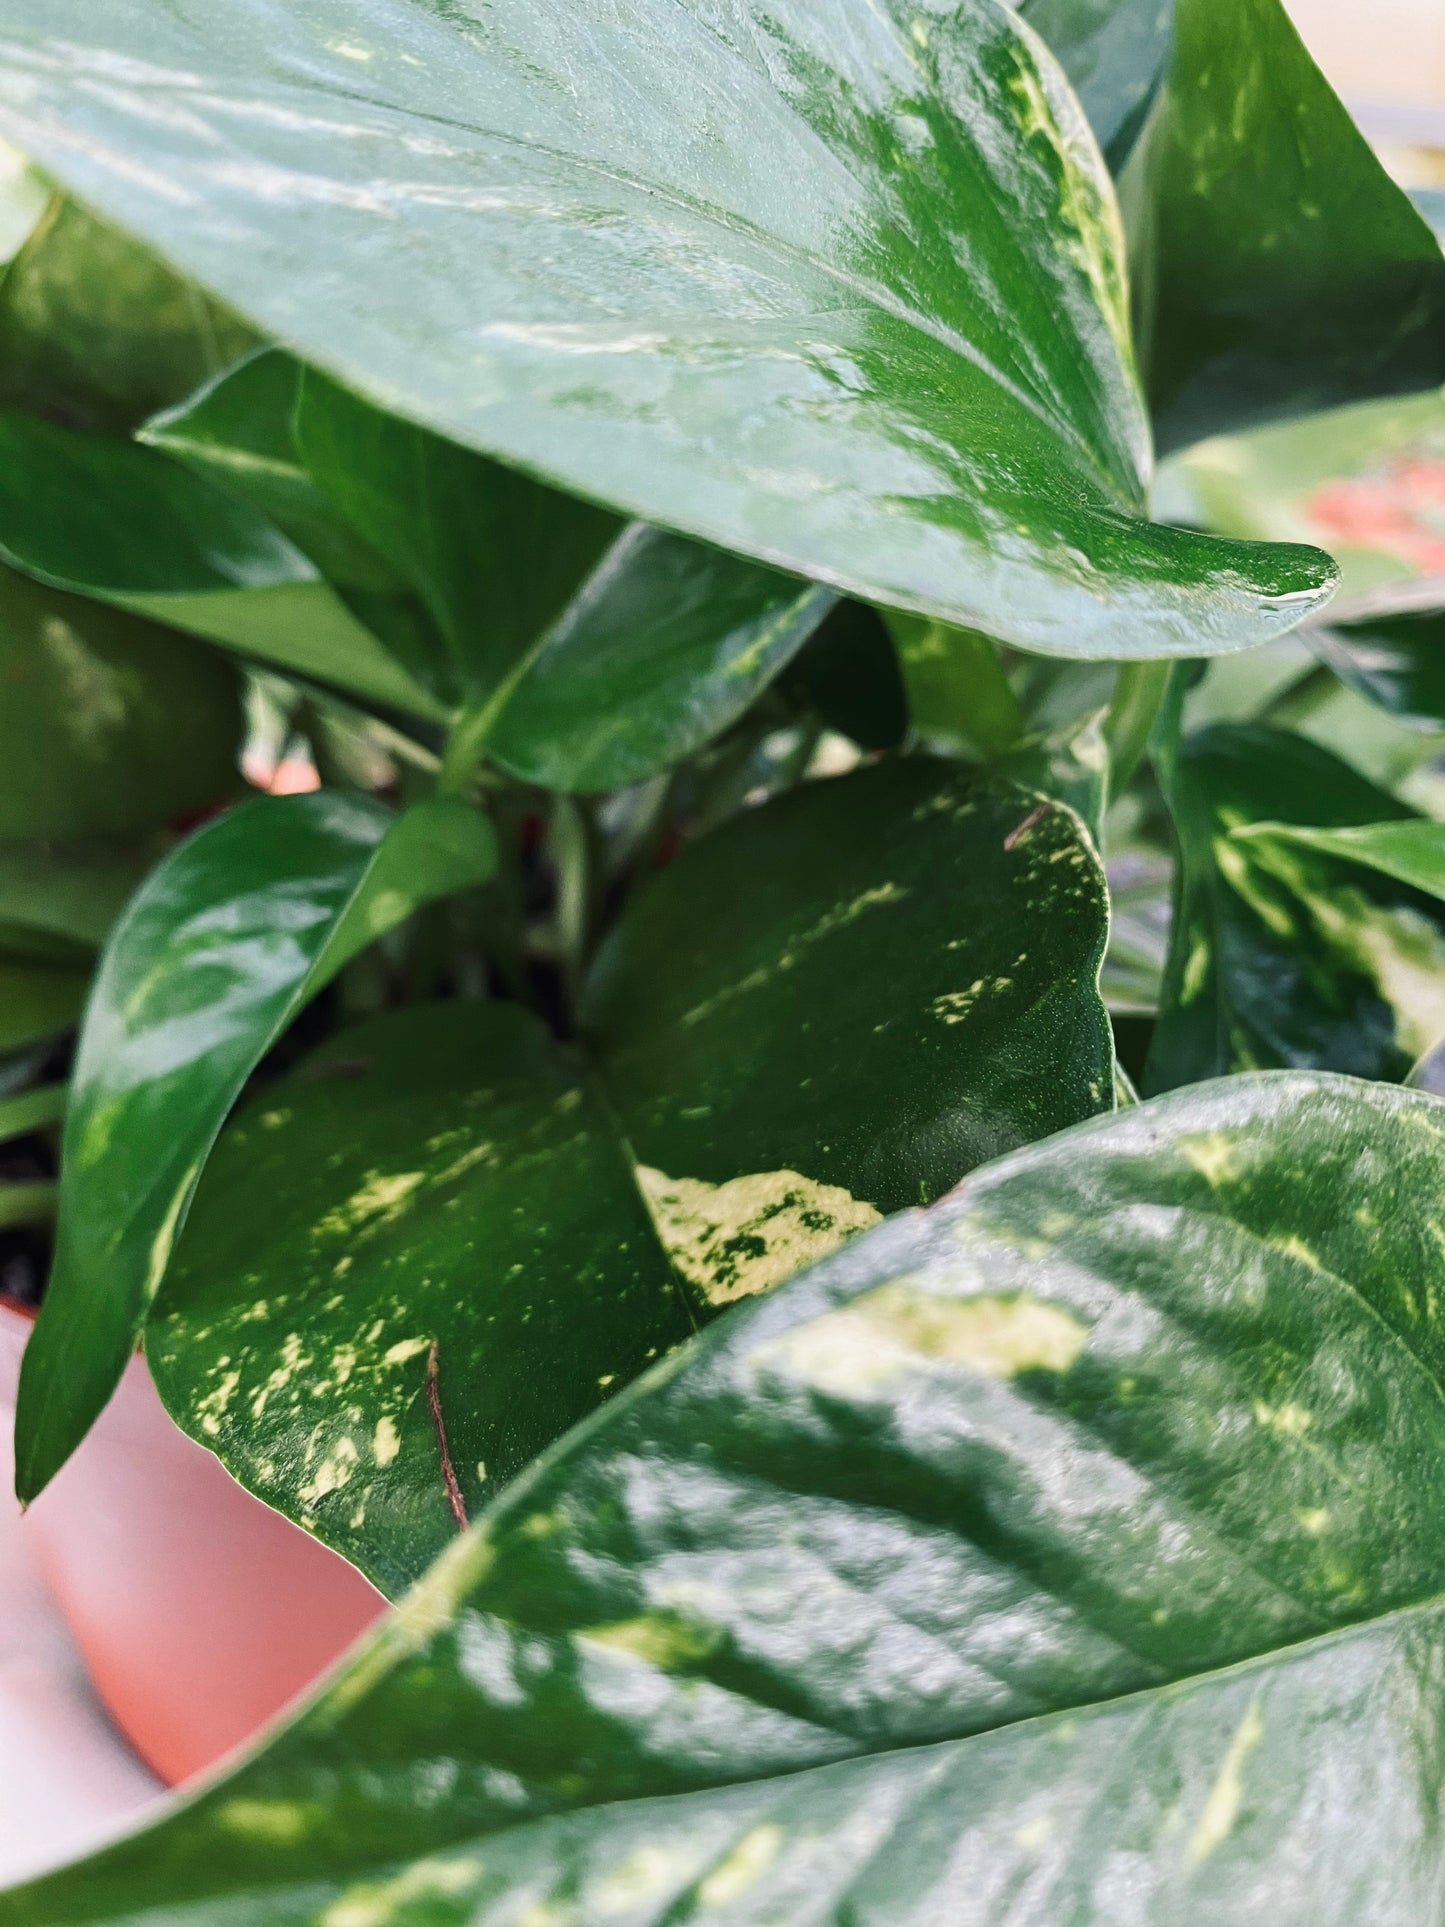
<point>874,983</point>
<point>1115,53</point>
<point>1279,268</point>
<point>96,332</point>
<point>1281,955</point>
<point>664,646</point>
<point>1068,1547</point>
<point>224,943</point>
<point>128,524</point>
<point>109,727</point>
<point>240,431</point>
<point>680,264</point>
<point>439,1178</point>
<point>494,556</point>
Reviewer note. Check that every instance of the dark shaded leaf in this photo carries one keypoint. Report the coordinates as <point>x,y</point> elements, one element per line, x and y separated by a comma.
<point>224,943</point>
<point>97,333</point>
<point>109,727</point>
<point>727,306</point>
<point>1396,661</point>
<point>848,673</point>
<point>39,998</point>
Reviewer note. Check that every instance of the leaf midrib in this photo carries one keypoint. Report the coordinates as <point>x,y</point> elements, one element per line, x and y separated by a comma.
<point>1233,1669</point>
<point>870,294</point>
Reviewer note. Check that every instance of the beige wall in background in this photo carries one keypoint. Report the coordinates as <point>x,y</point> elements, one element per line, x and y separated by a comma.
<point>1378,51</point>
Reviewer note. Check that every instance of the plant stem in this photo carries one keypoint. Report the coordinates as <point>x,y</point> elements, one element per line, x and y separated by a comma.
<point>32,1110</point>
<point>572,858</point>
<point>467,744</point>
<point>1138,692</point>
<point>23,1204</point>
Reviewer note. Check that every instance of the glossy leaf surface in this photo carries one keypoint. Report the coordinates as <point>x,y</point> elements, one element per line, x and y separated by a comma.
<point>438,1177</point>
<point>130,525</point>
<point>96,332</point>
<point>1115,53</point>
<point>876,982</point>
<point>727,306</point>
<point>663,647</point>
<point>226,940</point>
<point>1281,954</point>
<point>109,726</point>
<point>1068,1541</point>
<point>1280,269</point>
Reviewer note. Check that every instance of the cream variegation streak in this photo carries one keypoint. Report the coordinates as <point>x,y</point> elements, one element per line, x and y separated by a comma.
<point>749,1234</point>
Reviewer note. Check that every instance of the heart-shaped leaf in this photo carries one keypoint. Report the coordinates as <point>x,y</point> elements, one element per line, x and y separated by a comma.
<point>216,953</point>
<point>1067,1547</point>
<point>1283,954</point>
<point>878,981</point>
<point>816,1014</point>
<point>454,1265</point>
<point>842,290</point>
